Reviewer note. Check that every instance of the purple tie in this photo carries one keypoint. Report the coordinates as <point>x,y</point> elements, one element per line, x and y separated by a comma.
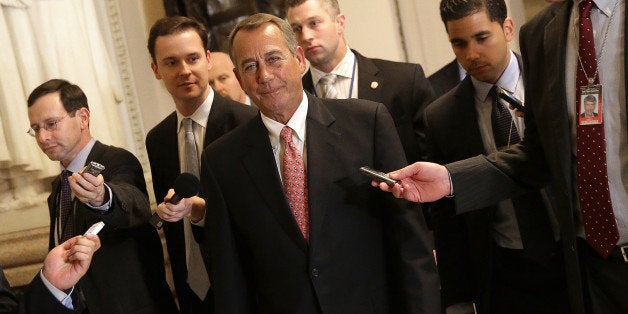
<point>66,222</point>
<point>595,202</point>
<point>294,183</point>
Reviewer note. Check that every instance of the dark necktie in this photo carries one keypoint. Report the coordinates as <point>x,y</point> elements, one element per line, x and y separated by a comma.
<point>595,202</point>
<point>504,129</point>
<point>66,221</point>
<point>294,182</point>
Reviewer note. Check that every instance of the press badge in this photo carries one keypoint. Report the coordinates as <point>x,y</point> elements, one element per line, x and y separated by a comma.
<point>590,106</point>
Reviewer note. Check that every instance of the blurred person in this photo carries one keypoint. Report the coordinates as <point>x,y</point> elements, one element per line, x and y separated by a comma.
<point>223,80</point>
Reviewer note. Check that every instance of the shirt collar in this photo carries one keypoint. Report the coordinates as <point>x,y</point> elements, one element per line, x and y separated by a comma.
<point>81,158</point>
<point>507,81</point>
<point>605,6</point>
<point>344,68</point>
<point>296,122</point>
<point>202,112</point>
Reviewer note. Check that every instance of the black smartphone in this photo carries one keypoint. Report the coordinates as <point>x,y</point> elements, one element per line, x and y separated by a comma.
<point>378,176</point>
<point>510,98</point>
<point>92,168</point>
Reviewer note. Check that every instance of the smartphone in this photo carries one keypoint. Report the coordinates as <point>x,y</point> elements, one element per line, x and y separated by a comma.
<point>92,168</point>
<point>510,98</point>
<point>95,228</point>
<point>378,176</point>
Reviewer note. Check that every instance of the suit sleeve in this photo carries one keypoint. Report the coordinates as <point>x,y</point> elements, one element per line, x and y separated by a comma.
<point>8,302</point>
<point>415,285</point>
<point>124,175</point>
<point>37,299</point>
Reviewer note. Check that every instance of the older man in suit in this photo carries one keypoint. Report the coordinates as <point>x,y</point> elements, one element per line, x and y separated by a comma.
<point>293,227</point>
<point>339,72</point>
<point>477,251</point>
<point>594,245</point>
<point>130,261</point>
<point>178,47</point>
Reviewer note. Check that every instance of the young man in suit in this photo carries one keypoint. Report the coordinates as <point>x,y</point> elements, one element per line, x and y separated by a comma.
<point>223,80</point>
<point>178,47</point>
<point>595,266</point>
<point>130,261</point>
<point>477,251</point>
<point>53,288</point>
<point>401,87</point>
<point>292,225</point>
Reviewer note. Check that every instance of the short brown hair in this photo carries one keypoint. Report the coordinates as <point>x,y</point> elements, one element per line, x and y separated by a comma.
<point>172,25</point>
<point>71,96</point>
<point>257,20</point>
<point>331,4</point>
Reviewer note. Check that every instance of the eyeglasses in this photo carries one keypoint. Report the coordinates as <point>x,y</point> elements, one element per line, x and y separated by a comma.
<point>50,126</point>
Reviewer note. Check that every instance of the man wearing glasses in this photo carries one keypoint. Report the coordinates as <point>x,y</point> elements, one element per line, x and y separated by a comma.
<point>130,262</point>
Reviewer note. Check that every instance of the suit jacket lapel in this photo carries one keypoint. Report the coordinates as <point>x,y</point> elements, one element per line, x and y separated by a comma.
<point>216,120</point>
<point>367,76</point>
<point>323,167</point>
<point>262,169</point>
<point>469,136</point>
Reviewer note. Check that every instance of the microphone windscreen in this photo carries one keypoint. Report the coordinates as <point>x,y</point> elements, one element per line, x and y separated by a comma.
<point>186,185</point>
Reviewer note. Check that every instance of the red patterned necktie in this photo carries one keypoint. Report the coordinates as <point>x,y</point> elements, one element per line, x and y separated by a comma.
<point>294,183</point>
<point>66,221</point>
<point>595,202</point>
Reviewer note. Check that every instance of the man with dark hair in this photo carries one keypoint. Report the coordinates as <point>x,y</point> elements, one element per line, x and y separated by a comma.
<point>178,47</point>
<point>294,226</point>
<point>130,262</point>
<point>566,51</point>
<point>339,72</point>
<point>478,251</point>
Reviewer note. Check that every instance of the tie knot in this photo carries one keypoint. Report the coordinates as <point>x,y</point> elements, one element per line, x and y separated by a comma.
<point>286,134</point>
<point>65,174</point>
<point>328,79</point>
<point>187,124</point>
<point>585,8</point>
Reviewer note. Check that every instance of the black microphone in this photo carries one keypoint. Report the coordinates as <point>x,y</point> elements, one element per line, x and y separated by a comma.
<point>185,185</point>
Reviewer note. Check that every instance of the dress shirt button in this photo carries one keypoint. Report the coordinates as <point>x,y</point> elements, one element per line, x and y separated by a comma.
<point>315,272</point>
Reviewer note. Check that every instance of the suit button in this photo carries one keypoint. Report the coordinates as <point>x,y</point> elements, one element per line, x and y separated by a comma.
<point>315,272</point>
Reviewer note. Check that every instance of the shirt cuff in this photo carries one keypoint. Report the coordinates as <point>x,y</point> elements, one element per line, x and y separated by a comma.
<point>451,184</point>
<point>104,207</point>
<point>461,308</point>
<point>62,297</point>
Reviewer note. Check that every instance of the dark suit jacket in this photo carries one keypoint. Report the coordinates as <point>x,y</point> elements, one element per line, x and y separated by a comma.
<point>127,273</point>
<point>368,253</point>
<point>546,152</point>
<point>445,79</point>
<point>8,302</point>
<point>405,91</point>
<point>38,299</point>
<point>161,144</point>
<point>463,242</point>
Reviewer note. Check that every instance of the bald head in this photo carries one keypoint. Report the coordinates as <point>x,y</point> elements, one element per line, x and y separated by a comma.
<point>222,79</point>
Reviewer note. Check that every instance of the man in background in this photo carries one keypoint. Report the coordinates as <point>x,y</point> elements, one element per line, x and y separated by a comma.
<point>130,262</point>
<point>339,72</point>
<point>222,79</point>
<point>447,77</point>
<point>178,48</point>
<point>478,251</point>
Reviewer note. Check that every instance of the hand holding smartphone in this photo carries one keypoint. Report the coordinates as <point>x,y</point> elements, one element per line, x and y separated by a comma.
<point>510,98</point>
<point>92,168</point>
<point>378,176</point>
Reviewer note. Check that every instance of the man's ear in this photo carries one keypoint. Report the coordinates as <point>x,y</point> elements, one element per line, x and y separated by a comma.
<point>155,69</point>
<point>340,23</point>
<point>509,29</point>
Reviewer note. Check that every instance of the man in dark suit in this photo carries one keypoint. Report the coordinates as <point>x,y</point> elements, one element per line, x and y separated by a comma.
<point>130,262</point>
<point>180,58</point>
<point>289,240</point>
<point>548,153</point>
<point>478,250</point>
<point>52,289</point>
<point>401,87</point>
<point>446,78</point>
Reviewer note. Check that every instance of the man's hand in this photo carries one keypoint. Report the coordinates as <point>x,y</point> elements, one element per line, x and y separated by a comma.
<point>68,262</point>
<point>420,182</point>
<point>88,189</point>
<point>193,207</point>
